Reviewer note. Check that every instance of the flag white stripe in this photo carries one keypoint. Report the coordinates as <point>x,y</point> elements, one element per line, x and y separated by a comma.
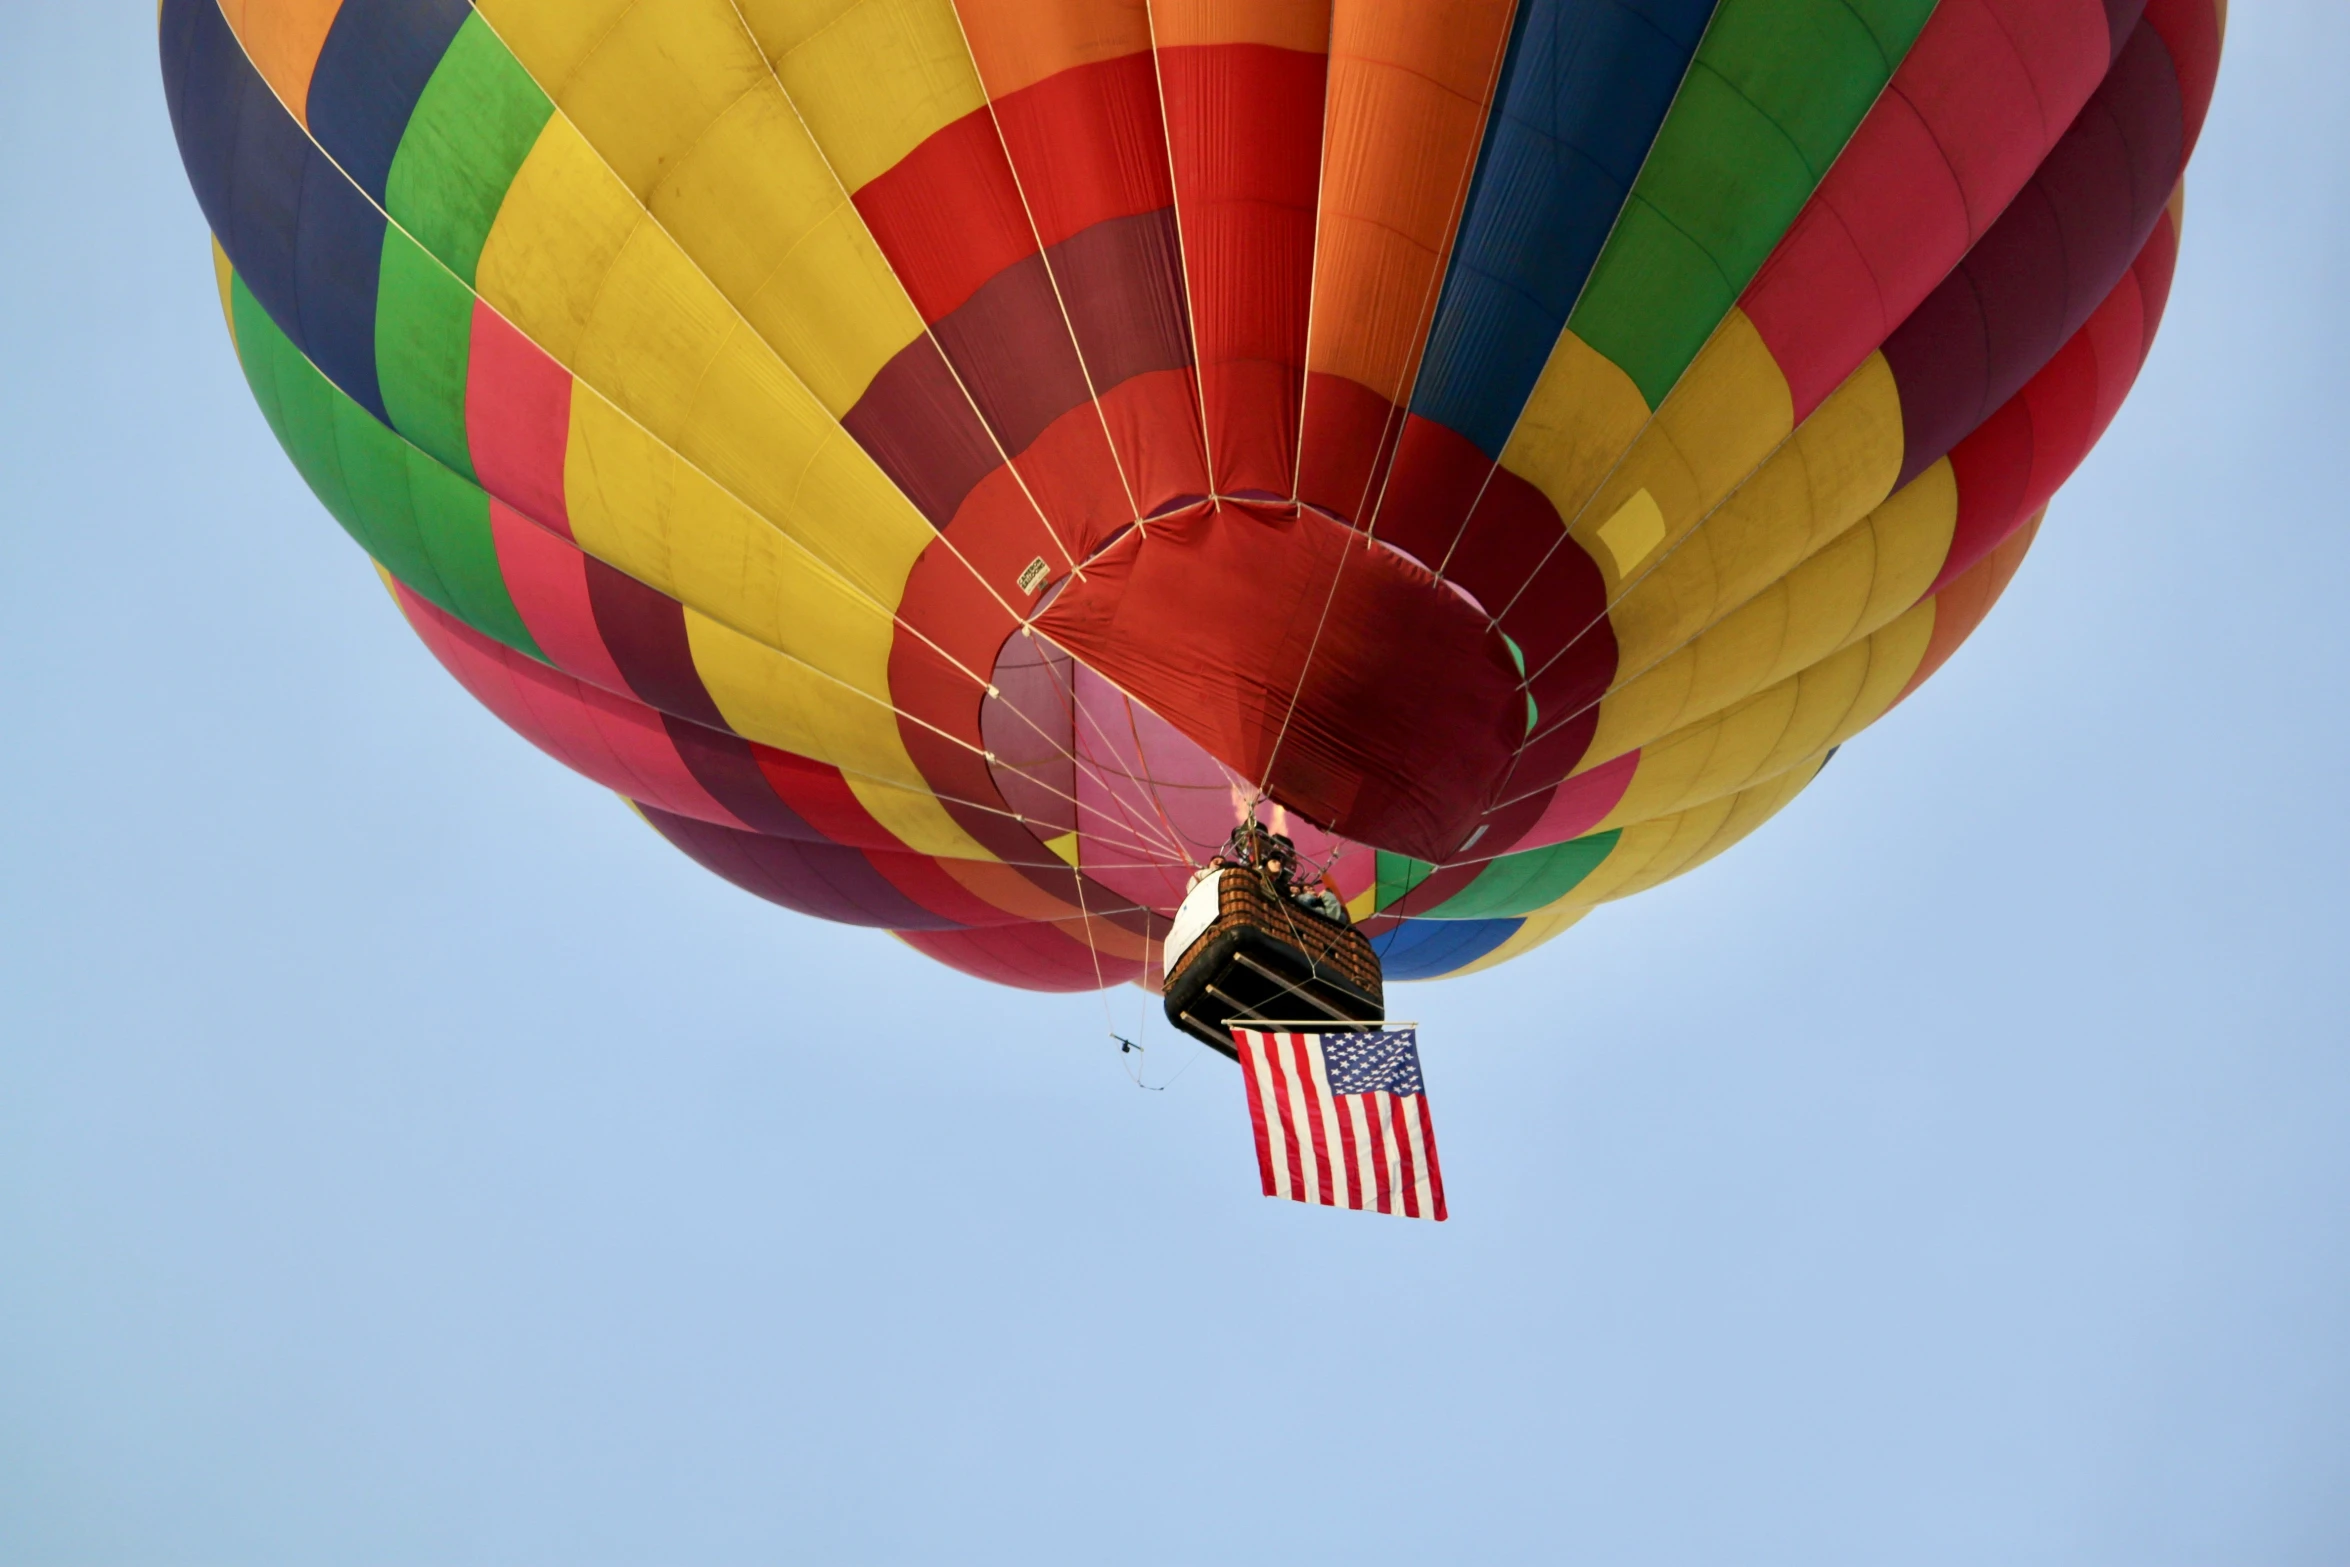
<point>1326,1116</point>
<point>1366,1184</point>
<point>1423,1186</point>
<point>1300,1113</point>
<point>1383,1106</point>
<point>1276,1128</point>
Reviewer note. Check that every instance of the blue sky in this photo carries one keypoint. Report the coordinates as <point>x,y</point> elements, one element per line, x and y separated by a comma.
<point>405,1157</point>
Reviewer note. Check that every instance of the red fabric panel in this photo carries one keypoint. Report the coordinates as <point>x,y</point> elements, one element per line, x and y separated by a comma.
<point>822,798</point>
<point>1154,422</point>
<point>610,739</point>
<point>1573,808</point>
<point>546,576</point>
<point>1984,93</point>
<point>1409,705</point>
<point>1031,957</point>
<point>1087,145</point>
<point>1356,431</point>
<point>517,419</point>
<point>2190,30</point>
<point>948,215</point>
<point>1245,131</point>
<point>2010,467</point>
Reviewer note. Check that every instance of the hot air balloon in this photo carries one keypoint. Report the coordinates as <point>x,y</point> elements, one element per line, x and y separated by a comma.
<point>948,462</point>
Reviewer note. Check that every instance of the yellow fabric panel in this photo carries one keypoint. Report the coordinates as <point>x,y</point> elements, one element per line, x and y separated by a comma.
<point>757,208</point>
<point>1285,24</point>
<point>282,39</point>
<point>1783,726</point>
<point>1723,419</point>
<point>579,267</point>
<point>1862,580</point>
<point>1679,844</point>
<point>563,223</point>
<point>647,91</point>
<point>1406,102</point>
<point>1582,414</point>
<point>552,37</point>
<point>1826,478</point>
<point>1541,926</point>
<point>679,103</point>
<point>1020,42</point>
<point>224,273</point>
<point>768,697</point>
<point>874,79</point>
<point>638,506</point>
<point>780,701</point>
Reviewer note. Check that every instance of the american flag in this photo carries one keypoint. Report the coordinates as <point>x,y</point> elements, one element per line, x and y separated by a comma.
<point>1342,1120</point>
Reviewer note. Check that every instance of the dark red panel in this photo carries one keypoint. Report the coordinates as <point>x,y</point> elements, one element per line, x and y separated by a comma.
<point>822,879</point>
<point>1974,108</point>
<point>1032,957</point>
<point>1010,343</point>
<point>1350,431</point>
<point>1407,709</point>
<point>644,630</point>
<point>723,764</point>
<point>917,423</point>
<point>2011,466</point>
<point>2048,262</point>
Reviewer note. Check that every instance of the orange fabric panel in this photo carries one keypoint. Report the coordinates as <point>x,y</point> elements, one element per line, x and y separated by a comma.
<point>1303,25</point>
<point>1410,85</point>
<point>1960,607</point>
<point>283,38</point>
<point>1018,43</point>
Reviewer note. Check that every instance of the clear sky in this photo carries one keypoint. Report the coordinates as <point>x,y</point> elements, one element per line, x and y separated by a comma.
<point>407,1158</point>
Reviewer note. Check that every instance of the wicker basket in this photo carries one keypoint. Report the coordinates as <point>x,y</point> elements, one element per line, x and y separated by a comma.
<point>1243,901</point>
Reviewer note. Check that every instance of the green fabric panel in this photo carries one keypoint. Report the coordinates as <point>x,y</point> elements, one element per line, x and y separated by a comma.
<point>1519,884</point>
<point>423,345</point>
<point>476,121</point>
<point>1777,89</point>
<point>430,528</point>
<point>1399,874</point>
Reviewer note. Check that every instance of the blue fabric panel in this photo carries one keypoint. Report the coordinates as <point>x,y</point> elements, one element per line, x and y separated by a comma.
<point>307,243</point>
<point>377,58</point>
<point>338,261</point>
<point>1429,949</point>
<point>1584,89</point>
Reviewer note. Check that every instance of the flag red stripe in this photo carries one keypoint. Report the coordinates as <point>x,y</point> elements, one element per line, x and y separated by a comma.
<point>1354,1154</point>
<point>1403,1149</point>
<point>1297,1172</point>
<point>1316,1097</point>
<point>1428,1145</point>
<point>1379,1160</point>
<point>1250,1050</point>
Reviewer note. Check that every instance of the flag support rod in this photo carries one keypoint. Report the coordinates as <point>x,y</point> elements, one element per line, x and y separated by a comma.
<point>1328,1025</point>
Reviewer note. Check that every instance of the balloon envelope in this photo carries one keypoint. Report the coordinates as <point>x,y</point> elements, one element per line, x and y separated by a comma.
<point>943,460</point>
